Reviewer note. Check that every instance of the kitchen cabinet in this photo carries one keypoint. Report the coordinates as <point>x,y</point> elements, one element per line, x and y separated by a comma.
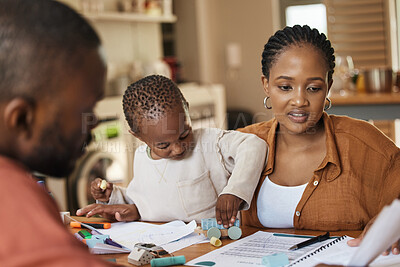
<point>382,110</point>
<point>131,40</point>
<point>383,106</point>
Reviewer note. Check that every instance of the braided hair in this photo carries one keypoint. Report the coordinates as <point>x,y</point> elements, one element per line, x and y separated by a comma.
<point>294,36</point>
<point>150,98</point>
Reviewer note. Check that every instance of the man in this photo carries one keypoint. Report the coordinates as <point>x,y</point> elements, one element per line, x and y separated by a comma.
<point>52,72</point>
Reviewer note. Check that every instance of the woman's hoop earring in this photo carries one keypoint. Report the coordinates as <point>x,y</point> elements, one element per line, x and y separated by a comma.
<point>265,103</point>
<point>329,104</point>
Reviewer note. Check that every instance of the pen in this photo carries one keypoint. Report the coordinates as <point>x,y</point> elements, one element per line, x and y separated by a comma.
<point>96,225</point>
<point>112,243</point>
<point>291,235</point>
<point>301,236</point>
<point>311,241</point>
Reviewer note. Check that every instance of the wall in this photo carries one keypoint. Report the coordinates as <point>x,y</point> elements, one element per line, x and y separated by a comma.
<point>206,27</point>
<point>203,30</point>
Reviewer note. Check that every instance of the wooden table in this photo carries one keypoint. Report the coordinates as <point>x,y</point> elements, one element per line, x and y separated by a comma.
<point>197,250</point>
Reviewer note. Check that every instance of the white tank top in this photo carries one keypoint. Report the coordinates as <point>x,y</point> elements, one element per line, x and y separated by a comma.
<point>276,204</point>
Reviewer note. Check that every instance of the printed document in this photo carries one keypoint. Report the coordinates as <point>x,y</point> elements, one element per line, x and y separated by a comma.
<point>250,250</point>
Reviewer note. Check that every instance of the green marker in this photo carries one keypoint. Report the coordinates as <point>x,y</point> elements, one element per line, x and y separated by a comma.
<point>85,234</point>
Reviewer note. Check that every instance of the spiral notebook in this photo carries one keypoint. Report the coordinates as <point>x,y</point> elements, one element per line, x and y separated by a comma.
<point>338,252</point>
<point>380,236</point>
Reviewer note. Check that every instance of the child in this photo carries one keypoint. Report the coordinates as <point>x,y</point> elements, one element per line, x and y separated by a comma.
<point>180,174</point>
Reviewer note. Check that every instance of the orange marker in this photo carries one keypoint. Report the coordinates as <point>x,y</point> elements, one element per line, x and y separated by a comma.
<point>97,225</point>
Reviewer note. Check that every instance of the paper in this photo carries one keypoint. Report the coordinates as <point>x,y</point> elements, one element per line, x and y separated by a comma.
<point>381,235</point>
<point>184,242</point>
<point>130,233</point>
<point>100,248</point>
<point>250,250</point>
<point>340,254</point>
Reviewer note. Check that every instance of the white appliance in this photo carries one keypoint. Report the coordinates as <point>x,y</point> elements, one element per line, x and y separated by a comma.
<point>109,155</point>
<point>207,104</point>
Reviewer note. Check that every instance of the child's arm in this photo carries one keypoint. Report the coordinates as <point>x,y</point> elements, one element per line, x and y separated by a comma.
<point>243,156</point>
<point>121,212</point>
<point>99,192</point>
<point>118,196</point>
<point>227,208</point>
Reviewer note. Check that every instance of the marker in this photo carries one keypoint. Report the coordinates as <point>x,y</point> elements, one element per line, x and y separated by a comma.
<point>168,261</point>
<point>83,224</point>
<point>77,235</point>
<point>85,234</point>
<point>97,225</point>
<point>311,241</point>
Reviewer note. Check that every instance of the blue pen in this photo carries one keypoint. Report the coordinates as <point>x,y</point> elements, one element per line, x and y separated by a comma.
<point>291,235</point>
<point>301,236</point>
<point>112,243</point>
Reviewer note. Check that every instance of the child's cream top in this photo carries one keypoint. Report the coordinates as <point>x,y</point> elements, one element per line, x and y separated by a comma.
<point>222,162</point>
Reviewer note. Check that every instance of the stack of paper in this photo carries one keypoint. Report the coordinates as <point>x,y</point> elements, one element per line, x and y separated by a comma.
<point>100,248</point>
<point>171,236</point>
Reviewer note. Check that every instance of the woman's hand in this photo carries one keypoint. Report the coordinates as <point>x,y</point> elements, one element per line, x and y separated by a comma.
<point>395,248</point>
<point>119,212</point>
<point>227,209</point>
<point>98,193</point>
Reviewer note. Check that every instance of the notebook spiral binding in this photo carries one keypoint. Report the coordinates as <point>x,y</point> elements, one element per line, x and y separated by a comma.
<point>318,250</point>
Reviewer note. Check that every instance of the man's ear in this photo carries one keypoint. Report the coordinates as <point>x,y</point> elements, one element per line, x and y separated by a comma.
<point>265,84</point>
<point>19,116</point>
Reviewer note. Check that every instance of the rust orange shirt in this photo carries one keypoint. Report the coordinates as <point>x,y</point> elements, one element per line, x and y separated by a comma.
<point>358,176</point>
<point>32,233</point>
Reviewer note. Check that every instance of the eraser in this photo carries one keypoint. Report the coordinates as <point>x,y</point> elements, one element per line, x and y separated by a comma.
<point>103,185</point>
<point>234,232</point>
<point>215,241</point>
<point>213,231</point>
<point>168,261</point>
<point>275,260</point>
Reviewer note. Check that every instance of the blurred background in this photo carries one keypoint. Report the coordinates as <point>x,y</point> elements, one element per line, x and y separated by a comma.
<point>212,50</point>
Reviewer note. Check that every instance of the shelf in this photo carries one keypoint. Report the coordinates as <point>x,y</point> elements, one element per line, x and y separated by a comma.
<point>129,17</point>
<point>366,99</point>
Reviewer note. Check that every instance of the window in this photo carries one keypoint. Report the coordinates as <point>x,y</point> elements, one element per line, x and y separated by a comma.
<point>357,28</point>
<point>304,12</point>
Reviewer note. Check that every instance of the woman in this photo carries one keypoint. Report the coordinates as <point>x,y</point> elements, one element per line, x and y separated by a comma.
<point>324,172</point>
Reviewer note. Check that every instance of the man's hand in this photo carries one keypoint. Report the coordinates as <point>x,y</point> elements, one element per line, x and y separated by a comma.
<point>119,212</point>
<point>98,193</point>
<point>227,209</point>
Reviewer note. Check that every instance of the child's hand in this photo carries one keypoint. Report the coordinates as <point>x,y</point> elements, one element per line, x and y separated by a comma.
<point>119,212</point>
<point>98,193</point>
<point>227,209</point>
